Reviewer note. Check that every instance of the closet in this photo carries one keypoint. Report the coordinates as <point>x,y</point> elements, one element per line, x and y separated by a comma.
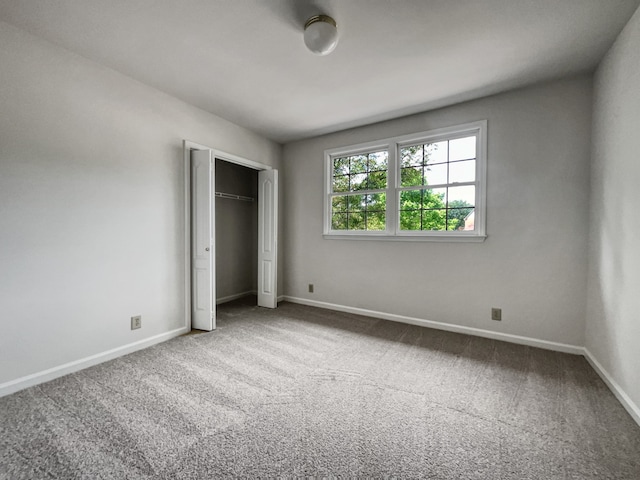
<point>236,231</point>
<point>231,229</point>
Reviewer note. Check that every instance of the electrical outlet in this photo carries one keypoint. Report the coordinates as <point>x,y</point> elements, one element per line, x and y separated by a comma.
<point>311,288</point>
<point>496,314</point>
<point>136,322</point>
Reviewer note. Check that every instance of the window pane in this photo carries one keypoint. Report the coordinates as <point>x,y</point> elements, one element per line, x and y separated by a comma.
<point>411,200</point>
<point>356,221</point>
<point>376,221</point>
<point>410,219</point>
<point>469,221</point>
<point>358,164</point>
<point>462,196</point>
<point>341,183</point>
<point>435,152</point>
<point>460,218</point>
<point>341,166</point>
<point>377,161</point>
<point>376,201</point>
<point>435,174</point>
<point>358,182</point>
<point>434,219</point>
<point>339,221</point>
<point>434,198</point>
<point>462,148</point>
<point>462,171</point>
<point>411,156</point>
<point>356,203</point>
<point>416,199</point>
<point>378,180</point>
<point>339,204</point>
<point>411,176</point>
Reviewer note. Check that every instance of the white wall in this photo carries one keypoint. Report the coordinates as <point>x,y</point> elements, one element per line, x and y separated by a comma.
<point>533,263</point>
<point>91,204</point>
<point>613,309</point>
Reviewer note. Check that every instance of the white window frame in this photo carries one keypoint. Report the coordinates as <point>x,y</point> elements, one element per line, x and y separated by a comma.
<point>393,146</point>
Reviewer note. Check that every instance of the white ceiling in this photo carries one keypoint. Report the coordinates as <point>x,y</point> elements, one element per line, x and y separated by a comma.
<point>245,60</point>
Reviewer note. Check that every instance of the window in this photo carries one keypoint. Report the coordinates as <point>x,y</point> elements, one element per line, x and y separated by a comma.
<point>359,186</point>
<point>427,186</point>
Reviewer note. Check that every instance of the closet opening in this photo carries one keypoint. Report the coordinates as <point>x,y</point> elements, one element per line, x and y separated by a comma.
<point>236,232</point>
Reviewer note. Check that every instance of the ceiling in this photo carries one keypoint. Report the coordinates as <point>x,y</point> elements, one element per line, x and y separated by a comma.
<point>245,60</point>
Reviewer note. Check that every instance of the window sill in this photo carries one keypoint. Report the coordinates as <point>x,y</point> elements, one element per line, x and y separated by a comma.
<point>407,238</point>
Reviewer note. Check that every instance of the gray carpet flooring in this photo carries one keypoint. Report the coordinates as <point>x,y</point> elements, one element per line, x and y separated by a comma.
<point>304,392</point>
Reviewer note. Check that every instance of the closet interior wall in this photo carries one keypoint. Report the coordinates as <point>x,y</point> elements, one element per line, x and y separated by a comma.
<point>236,231</point>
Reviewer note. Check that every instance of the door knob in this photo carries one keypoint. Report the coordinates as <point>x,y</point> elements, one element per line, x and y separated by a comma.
<point>206,249</point>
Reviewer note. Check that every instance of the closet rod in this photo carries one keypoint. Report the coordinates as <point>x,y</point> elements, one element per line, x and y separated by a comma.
<point>234,197</point>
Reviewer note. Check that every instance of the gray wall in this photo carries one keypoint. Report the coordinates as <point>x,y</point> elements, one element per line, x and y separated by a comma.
<point>91,204</point>
<point>613,312</point>
<point>533,263</point>
<point>236,230</point>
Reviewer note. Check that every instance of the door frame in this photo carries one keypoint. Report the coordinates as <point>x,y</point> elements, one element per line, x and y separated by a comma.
<point>187,146</point>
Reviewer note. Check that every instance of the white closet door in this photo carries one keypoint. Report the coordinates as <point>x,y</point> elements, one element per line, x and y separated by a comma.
<point>202,240</point>
<point>268,238</point>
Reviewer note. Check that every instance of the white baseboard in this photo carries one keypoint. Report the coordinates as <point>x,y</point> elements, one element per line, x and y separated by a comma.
<point>478,332</point>
<point>620,394</point>
<point>71,367</point>
<point>235,296</point>
<point>230,298</point>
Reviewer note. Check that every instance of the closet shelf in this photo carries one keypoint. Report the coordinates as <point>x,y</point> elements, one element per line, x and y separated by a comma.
<point>233,196</point>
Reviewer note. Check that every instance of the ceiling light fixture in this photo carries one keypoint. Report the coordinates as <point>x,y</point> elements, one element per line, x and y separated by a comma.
<point>321,34</point>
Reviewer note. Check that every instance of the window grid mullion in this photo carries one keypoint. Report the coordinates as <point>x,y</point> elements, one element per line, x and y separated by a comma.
<point>446,195</point>
<point>357,192</point>
<point>439,185</point>
<point>421,208</point>
<point>393,162</point>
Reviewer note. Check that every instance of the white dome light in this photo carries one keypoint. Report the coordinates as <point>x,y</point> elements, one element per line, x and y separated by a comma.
<point>321,34</point>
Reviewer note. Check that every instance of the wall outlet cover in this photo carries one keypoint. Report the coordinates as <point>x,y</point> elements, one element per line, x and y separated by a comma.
<point>496,314</point>
<point>136,322</point>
